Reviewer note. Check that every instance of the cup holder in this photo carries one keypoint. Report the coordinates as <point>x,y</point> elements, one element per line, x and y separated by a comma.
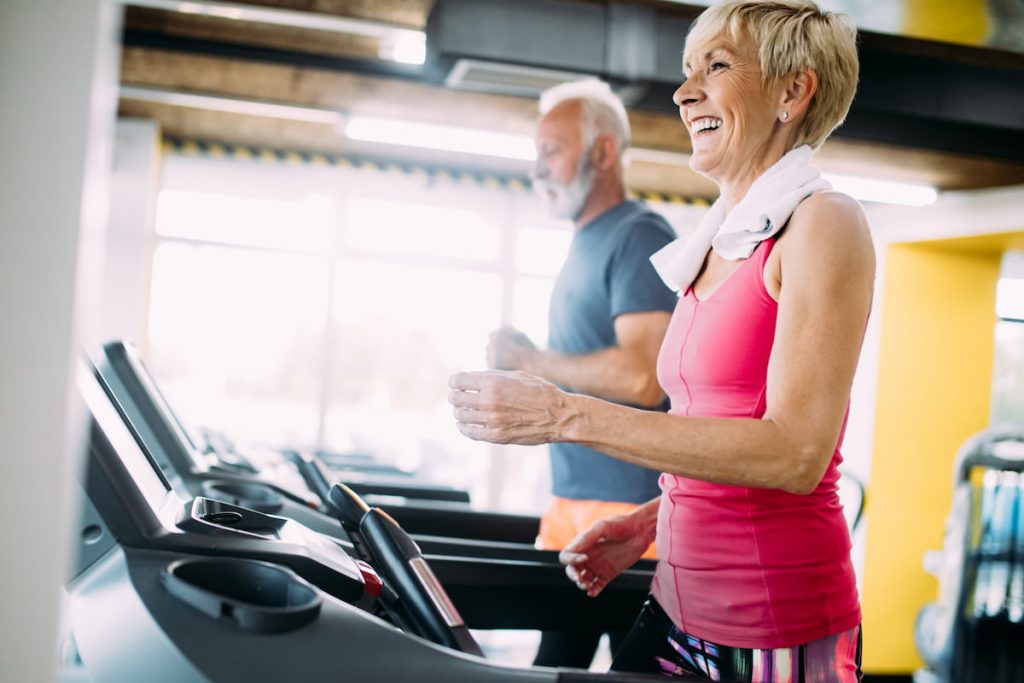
<point>255,596</point>
<point>253,496</point>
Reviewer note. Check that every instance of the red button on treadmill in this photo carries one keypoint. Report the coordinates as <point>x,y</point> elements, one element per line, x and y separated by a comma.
<point>372,581</point>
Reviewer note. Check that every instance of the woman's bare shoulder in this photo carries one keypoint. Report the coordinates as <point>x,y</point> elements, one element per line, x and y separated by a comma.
<point>830,220</point>
<point>833,216</point>
<point>828,234</point>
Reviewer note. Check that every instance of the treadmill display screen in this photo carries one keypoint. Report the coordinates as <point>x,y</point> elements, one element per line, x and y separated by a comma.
<point>160,401</point>
<point>130,369</point>
<point>144,473</point>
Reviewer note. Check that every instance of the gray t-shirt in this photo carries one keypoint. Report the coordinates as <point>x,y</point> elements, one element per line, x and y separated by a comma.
<point>607,273</point>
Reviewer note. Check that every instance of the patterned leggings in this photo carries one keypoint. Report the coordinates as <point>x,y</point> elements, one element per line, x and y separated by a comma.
<point>656,645</point>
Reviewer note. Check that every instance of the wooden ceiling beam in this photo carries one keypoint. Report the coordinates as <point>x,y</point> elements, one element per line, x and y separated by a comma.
<point>405,99</point>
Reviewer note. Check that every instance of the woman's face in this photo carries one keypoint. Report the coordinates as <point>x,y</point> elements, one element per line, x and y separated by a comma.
<point>726,111</point>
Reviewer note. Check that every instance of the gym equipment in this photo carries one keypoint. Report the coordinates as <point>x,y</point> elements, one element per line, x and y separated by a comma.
<point>167,589</point>
<point>974,632</point>
<point>123,371</point>
<point>295,485</point>
<point>472,550</point>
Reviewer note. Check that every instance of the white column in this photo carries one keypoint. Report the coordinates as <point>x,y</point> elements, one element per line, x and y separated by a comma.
<point>130,233</point>
<point>58,76</point>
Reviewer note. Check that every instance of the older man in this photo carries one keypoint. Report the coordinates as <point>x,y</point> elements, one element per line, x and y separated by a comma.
<point>608,314</point>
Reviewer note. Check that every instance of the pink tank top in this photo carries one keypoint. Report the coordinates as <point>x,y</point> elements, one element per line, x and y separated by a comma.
<point>745,567</point>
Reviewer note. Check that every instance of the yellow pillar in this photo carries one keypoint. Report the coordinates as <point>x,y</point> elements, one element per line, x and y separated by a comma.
<point>952,21</point>
<point>934,391</point>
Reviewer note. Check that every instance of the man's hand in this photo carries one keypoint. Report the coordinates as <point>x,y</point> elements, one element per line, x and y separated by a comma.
<point>509,349</point>
<point>602,552</point>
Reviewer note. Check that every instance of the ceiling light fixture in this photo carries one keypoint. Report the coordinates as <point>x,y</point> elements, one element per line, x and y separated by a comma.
<point>884,191</point>
<point>445,138</point>
<point>234,105</point>
<point>398,43</point>
<point>405,47</point>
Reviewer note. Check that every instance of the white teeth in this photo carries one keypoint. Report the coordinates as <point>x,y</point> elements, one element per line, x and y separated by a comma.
<point>704,124</point>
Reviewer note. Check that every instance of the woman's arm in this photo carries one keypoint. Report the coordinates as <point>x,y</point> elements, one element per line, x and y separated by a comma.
<point>827,273</point>
<point>610,546</point>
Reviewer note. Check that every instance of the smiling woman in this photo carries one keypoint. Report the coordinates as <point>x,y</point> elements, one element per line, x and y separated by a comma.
<point>745,69</point>
<point>754,580</point>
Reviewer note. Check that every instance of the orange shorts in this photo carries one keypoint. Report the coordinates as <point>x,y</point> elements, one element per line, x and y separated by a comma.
<point>566,518</point>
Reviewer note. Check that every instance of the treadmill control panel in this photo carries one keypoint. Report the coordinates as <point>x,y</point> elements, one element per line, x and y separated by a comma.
<point>137,502</point>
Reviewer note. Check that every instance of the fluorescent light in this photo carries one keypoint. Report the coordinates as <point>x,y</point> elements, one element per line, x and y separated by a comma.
<point>446,138</point>
<point>234,105</point>
<point>883,191</point>
<point>405,47</point>
<point>862,189</point>
<point>470,140</point>
<point>403,39</point>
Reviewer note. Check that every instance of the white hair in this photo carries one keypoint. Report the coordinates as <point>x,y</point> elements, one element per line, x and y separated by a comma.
<point>602,111</point>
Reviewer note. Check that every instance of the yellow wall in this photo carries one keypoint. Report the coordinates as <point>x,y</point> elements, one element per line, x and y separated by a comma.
<point>954,21</point>
<point>934,391</point>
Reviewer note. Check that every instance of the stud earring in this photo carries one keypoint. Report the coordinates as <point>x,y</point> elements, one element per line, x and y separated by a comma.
<point>784,116</point>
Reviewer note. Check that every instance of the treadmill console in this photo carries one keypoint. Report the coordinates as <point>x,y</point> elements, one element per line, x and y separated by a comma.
<point>139,505</point>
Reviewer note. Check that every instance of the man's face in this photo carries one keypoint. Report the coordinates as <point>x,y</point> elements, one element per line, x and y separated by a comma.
<point>562,176</point>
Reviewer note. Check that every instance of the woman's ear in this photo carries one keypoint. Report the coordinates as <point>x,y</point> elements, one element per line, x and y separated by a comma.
<point>797,93</point>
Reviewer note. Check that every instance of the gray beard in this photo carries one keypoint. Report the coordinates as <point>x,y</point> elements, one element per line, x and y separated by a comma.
<point>569,198</point>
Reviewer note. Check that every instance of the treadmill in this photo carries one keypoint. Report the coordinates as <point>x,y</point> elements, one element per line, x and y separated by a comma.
<point>122,364</point>
<point>169,589</point>
<point>279,483</point>
<point>494,545</point>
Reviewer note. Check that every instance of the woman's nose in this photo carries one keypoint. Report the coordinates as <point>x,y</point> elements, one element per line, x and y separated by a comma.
<point>686,94</point>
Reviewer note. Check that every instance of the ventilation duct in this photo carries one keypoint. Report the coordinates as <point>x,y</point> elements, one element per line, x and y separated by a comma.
<point>505,79</point>
<point>524,47</point>
<point>912,93</point>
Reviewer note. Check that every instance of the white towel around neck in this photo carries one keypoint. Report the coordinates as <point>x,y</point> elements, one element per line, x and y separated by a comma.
<point>762,212</point>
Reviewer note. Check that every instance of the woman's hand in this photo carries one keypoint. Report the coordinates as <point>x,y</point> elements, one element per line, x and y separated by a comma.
<point>508,407</point>
<point>602,552</point>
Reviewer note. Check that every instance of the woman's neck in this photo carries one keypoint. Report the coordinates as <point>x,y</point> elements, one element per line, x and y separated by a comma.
<point>733,189</point>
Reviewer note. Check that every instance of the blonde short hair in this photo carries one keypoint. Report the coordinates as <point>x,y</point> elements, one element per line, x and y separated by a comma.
<point>792,35</point>
<point>602,111</point>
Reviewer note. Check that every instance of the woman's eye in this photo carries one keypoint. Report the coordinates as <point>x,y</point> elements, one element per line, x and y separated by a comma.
<point>715,66</point>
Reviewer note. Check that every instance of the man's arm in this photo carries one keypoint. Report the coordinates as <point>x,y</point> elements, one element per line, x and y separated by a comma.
<point>641,305</point>
<point>624,373</point>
